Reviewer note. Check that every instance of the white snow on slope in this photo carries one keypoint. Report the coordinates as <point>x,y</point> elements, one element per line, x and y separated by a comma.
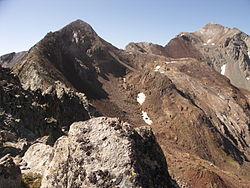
<point>209,40</point>
<point>248,78</point>
<point>75,36</point>
<point>141,98</point>
<point>146,118</point>
<point>157,68</point>
<point>171,62</point>
<point>248,53</point>
<point>223,69</point>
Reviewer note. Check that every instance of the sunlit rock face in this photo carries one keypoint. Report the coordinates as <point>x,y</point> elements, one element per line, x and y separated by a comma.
<point>218,46</point>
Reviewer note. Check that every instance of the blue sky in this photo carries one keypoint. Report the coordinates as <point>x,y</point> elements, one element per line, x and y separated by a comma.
<point>24,22</point>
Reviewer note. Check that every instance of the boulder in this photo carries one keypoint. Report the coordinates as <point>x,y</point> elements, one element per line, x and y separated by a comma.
<point>104,152</point>
<point>36,158</point>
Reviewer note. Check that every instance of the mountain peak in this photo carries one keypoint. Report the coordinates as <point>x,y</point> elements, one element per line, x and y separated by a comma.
<point>79,22</point>
<point>213,24</point>
<point>79,26</point>
<point>213,27</point>
<point>212,31</point>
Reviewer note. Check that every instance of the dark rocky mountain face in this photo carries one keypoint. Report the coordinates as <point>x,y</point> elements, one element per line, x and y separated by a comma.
<point>199,119</point>
<point>76,56</point>
<point>27,115</point>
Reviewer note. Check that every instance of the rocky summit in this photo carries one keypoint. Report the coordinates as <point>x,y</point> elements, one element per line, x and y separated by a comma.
<point>226,50</point>
<point>75,111</point>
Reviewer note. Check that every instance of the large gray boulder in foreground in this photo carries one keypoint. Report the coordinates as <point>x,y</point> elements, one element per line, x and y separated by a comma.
<point>104,152</point>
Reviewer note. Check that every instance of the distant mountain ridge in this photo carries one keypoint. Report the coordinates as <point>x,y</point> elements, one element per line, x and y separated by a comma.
<point>213,43</point>
<point>9,60</point>
<point>221,47</point>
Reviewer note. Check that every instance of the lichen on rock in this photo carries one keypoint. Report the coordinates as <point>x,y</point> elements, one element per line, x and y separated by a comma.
<point>104,152</point>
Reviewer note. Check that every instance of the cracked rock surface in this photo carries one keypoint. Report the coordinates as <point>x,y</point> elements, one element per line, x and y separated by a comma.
<point>104,152</point>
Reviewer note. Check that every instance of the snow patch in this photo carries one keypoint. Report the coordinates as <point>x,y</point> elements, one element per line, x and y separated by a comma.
<point>209,40</point>
<point>141,98</point>
<point>157,68</point>
<point>75,36</point>
<point>167,62</point>
<point>171,62</point>
<point>248,53</point>
<point>204,44</point>
<point>162,72</point>
<point>222,97</point>
<point>146,118</point>
<point>212,44</point>
<point>223,69</point>
<point>248,78</point>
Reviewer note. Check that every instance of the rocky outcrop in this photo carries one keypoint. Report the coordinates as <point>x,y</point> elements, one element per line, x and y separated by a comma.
<point>10,173</point>
<point>9,60</point>
<point>36,159</point>
<point>26,116</point>
<point>104,152</point>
